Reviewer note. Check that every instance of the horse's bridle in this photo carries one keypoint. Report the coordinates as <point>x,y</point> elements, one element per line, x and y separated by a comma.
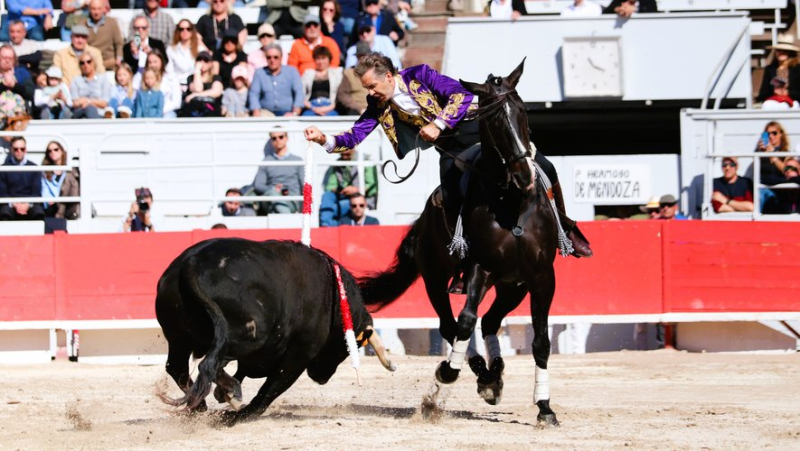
<point>501,101</point>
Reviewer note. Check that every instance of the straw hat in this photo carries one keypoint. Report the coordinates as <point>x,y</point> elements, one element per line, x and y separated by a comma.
<point>785,42</point>
<point>652,204</point>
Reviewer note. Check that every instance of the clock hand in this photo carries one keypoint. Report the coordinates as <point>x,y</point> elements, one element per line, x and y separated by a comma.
<point>591,63</point>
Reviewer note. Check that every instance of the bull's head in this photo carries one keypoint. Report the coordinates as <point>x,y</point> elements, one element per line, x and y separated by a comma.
<point>322,368</point>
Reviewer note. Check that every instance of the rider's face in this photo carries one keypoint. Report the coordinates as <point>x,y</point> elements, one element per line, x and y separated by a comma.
<point>379,87</point>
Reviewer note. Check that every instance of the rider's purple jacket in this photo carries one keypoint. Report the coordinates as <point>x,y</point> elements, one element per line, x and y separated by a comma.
<point>438,96</point>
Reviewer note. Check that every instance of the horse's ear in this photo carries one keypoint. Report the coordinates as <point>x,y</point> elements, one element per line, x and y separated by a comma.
<point>514,76</point>
<point>478,89</point>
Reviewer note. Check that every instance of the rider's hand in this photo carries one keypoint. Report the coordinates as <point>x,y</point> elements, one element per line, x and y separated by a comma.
<point>430,132</point>
<point>314,134</point>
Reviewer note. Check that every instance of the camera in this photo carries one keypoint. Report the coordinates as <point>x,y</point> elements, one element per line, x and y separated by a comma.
<point>285,192</point>
<point>141,199</point>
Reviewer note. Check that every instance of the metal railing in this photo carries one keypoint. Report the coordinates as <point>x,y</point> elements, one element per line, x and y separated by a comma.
<point>707,209</point>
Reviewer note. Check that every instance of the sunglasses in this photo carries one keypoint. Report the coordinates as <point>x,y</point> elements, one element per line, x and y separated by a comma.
<point>358,205</point>
<point>184,28</point>
<point>728,165</point>
<point>86,62</point>
<point>20,149</point>
<point>141,28</point>
<point>329,9</point>
<point>273,57</point>
<point>312,24</point>
<point>266,35</point>
<point>275,138</point>
<point>774,133</point>
<point>652,210</point>
<point>790,168</point>
<point>54,149</point>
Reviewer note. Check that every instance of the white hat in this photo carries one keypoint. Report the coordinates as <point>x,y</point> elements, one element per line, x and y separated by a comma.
<point>785,42</point>
<point>54,72</point>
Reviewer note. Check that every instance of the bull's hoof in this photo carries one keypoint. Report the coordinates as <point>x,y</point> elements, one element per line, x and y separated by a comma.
<point>233,398</point>
<point>546,420</point>
<point>445,374</point>
<point>229,418</point>
<point>220,395</point>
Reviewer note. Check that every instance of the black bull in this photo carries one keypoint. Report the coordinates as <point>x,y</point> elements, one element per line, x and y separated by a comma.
<point>271,306</point>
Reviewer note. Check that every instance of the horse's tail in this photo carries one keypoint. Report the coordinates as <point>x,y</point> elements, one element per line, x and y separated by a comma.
<point>382,288</point>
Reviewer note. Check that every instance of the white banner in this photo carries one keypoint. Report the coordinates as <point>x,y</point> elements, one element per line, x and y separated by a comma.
<point>612,184</point>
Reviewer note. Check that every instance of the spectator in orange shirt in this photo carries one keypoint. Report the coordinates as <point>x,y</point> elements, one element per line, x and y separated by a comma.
<point>300,56</point>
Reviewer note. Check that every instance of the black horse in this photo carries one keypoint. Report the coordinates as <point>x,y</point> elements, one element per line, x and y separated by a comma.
<point>513,235</point>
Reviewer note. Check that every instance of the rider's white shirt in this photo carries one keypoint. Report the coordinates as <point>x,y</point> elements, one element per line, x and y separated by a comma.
<point>404,101</point>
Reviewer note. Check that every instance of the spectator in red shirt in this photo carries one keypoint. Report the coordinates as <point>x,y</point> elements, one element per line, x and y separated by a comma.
<point>301,57</point>
<point>731,192</point>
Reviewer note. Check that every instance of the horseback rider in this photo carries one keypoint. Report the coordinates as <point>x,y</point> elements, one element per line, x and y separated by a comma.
<point>420,101</point>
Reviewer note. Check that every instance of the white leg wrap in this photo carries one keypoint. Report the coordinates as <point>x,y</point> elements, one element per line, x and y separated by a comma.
<point>456,358</point>
<point>492,347</point>
<point>541,389</point>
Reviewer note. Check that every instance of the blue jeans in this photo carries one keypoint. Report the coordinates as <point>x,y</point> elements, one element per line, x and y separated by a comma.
<point>114,103</point>
<point>318,102</point>
<point>331,209</point>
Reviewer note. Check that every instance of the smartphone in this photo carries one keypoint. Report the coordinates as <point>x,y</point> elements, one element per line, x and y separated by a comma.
<point>137,40</point>
<point>765,139</point>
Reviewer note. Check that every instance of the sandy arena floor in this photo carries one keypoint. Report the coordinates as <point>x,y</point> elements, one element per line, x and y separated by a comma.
<point>639,400</point>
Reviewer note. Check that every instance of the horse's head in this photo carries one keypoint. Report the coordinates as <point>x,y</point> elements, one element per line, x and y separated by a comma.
<point>504,126</point>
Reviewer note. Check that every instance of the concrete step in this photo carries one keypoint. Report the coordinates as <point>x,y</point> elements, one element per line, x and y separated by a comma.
<point>431,24</point>
<point>436,6</point>
<point>426,40</point>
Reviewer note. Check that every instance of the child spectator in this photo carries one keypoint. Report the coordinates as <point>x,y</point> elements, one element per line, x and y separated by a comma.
<point>234,99</point>
<point>123,94</point>
<point>52,96</point>
<point>149,100</point>
<point>780,99</point>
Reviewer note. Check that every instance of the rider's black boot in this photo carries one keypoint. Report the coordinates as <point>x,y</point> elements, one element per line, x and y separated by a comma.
<point>579,242</point>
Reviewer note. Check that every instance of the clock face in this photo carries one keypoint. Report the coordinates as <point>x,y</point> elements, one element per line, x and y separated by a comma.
<point>592,67</point>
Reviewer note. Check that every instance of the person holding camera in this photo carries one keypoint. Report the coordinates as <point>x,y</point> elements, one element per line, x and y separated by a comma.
<point>141,44</point>
<point>279,180</point>
<point>140,216</point>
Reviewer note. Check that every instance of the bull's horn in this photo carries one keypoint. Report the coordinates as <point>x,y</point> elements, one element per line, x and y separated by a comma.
<point>377,346</point>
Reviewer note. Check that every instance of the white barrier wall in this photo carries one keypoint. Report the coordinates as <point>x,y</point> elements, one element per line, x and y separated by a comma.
<point>664,57</point>
<point>189,163</point>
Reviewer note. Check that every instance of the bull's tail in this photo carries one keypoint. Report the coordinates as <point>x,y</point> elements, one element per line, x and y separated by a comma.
<point>195,296</point>
<point>383,288</point>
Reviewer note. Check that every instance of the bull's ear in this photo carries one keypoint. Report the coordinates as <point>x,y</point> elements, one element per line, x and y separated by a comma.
<point>479,89</point>
<point>514,76</point>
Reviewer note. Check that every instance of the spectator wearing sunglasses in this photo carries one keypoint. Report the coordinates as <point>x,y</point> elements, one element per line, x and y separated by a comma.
<point>182,54</point>
<point>732,192</point>
<point>276,89</point>
<point>301,55</point>
<point>141,45</point>
<point>626,8</point>
<point>220,18</point>
<point>90,92</point>
<point>161,23</point>
<point>20,184</point>
<point>774,139</point>
<point>66,59</point>
<point>377,43</point>
<point>279,180</point>
<point>357,216</point>
<point>668,208</point>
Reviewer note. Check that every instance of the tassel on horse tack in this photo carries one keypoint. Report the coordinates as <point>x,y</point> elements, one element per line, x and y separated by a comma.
<point>564,243</point>
<point>459,244</point>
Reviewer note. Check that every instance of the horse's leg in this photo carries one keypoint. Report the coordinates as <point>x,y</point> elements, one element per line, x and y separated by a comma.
<point>542,289</point>
<point>490,381</point>
<point>436,288</point>
<point>478,282</point>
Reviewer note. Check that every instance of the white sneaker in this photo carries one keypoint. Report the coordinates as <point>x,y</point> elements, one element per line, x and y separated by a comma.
<point>124,112</point>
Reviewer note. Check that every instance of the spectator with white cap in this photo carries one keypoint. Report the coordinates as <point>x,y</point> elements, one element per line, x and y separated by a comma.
<point>66,59</point>
<point>54,100</point>
<point>652,208</point>
<point>301,57</point>
<point>234,99</point>
<point>256,59</point>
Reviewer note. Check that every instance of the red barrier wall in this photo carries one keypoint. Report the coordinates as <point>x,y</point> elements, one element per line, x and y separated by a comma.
<point>639,267</point>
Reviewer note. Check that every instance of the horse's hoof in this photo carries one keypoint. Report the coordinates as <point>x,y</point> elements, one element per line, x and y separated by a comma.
<point>445,374</point>
<point>220,395</point>
<point>491,392</point>
<point>497,367</point>
<point>546,420</point>
<point>477,364</point>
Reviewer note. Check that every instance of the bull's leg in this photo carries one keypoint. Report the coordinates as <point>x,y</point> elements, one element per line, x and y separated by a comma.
<point>228,389</point>
<point>277,382</point>
<point>490,380</point>
<point>477,284</point>
<point>178,368</point>
<point>542,290</point>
